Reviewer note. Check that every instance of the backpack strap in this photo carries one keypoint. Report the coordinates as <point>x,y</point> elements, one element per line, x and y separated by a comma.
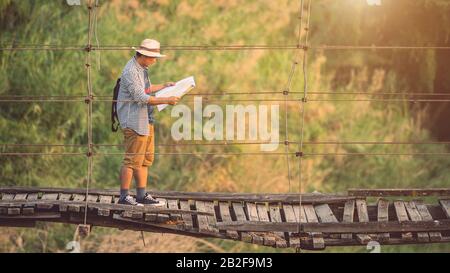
<point>114,118</point>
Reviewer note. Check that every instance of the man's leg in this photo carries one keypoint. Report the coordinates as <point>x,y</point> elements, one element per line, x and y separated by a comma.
<point>126,175</point>
<point>140,176</point>
<point>134,148</point>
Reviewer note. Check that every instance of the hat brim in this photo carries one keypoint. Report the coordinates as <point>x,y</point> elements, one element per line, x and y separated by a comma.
<point>149,53</point>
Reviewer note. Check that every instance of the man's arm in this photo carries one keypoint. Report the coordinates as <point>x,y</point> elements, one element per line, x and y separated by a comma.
<point>169,100</point>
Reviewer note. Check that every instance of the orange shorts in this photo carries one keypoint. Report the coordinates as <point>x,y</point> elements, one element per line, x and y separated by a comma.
<point>139,150</point>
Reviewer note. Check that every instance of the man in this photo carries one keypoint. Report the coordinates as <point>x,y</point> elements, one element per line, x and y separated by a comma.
<point>135,112</point>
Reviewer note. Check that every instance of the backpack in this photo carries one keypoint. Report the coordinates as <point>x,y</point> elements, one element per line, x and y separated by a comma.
<point>114,117</point>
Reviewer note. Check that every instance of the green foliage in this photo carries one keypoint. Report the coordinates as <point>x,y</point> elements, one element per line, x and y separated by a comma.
<point>349,22</point>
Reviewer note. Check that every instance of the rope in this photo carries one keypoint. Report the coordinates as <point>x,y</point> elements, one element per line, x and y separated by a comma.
<point>303,108</point>
<point>288,89</point>
<point>91,12</point>
<point>43,47</point>
<point>297,154</point>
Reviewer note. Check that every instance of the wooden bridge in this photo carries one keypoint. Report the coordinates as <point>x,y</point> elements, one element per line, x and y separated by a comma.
<point>275,220</point>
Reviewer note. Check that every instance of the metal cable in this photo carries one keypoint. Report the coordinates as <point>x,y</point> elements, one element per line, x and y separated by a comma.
<point>303,107</point>
<point>43,47</point>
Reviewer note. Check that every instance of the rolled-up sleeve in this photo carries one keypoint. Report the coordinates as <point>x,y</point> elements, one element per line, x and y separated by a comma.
<point>136,88</point>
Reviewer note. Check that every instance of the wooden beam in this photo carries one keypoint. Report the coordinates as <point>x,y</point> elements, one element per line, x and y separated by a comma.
<point>307,198</point>
<point>365,227</point>
<point>400,192</point>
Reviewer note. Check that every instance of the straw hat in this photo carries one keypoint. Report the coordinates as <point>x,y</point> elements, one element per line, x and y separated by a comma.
<point>149,48</point>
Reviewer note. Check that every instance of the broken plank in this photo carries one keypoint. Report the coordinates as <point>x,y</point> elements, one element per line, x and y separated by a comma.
<point>92,198</point>
<point>269,239</point>
<point>203,224</point>
<point>64,197</point>
<point>383,216</point>
<point>29,209</point>
<point>224,209</point>
<point>349,212</point>
<point>253,216</point>
<point>325,215</point>
<point>132,214</point>
<point>426,216</point>
<point>76,198</point>
<point>363,217</point>
<point>12,211</point>
<point>415,216</point>
<point>299,214</point>
<point>8,196</point>
<point>402,216</point>
<point>187,218</point>
<point>20,196</point>
<point>104,199</point>
<point>275,216</point>
<point>445,207</point>
<point>240,216</point>
<point>311,217</point>
<point>173,204</point>
<point>289,214</point>
<point>50,197</point>
<point>212,219</point>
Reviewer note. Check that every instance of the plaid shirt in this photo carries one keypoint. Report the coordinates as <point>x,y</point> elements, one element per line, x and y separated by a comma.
<point>134,113</point>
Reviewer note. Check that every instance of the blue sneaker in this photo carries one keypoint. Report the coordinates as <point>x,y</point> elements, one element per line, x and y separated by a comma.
<point>129,200</point>
<point>149,200</point>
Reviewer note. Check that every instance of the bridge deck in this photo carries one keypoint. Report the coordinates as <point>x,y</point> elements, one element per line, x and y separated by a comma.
<point>274,220</point>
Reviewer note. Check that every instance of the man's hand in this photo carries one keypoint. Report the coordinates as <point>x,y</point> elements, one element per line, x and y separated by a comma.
<point>167,84</point>
<point>172,100</point>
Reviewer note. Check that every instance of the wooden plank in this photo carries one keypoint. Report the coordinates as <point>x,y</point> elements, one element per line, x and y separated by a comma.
<point>9,211</point>
<point>20,196</point>
<point>173,204</point>
<point>16,211</point>
<point>349,212</point>
<point>226,217</point>
<point>203,224</point>
<point>445,207</point>
<point>325,215</point>
<point>253,216</point>
<point>8,196</point>
<point>212,220</point>
<point>289,214</point>
<point>29,209</point>
<point>363,217</point>
<point>426,216</point>
<point>383,216</point>
<point>49,197</point>
<point>415,217</point>
<point>104,199</point>
<point>300,214</point>
<point>275,216</point>
<point>402,216</point>
<point>269,239</point>
<point>187,218</point>
<point>311,217</point>
<point>240,216</point>
<point>132,214</point>
<point>76,198</point>
<point>92,198</point>
<point>64,197</point>
<point>162,218</point>
<point>108,199</point>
